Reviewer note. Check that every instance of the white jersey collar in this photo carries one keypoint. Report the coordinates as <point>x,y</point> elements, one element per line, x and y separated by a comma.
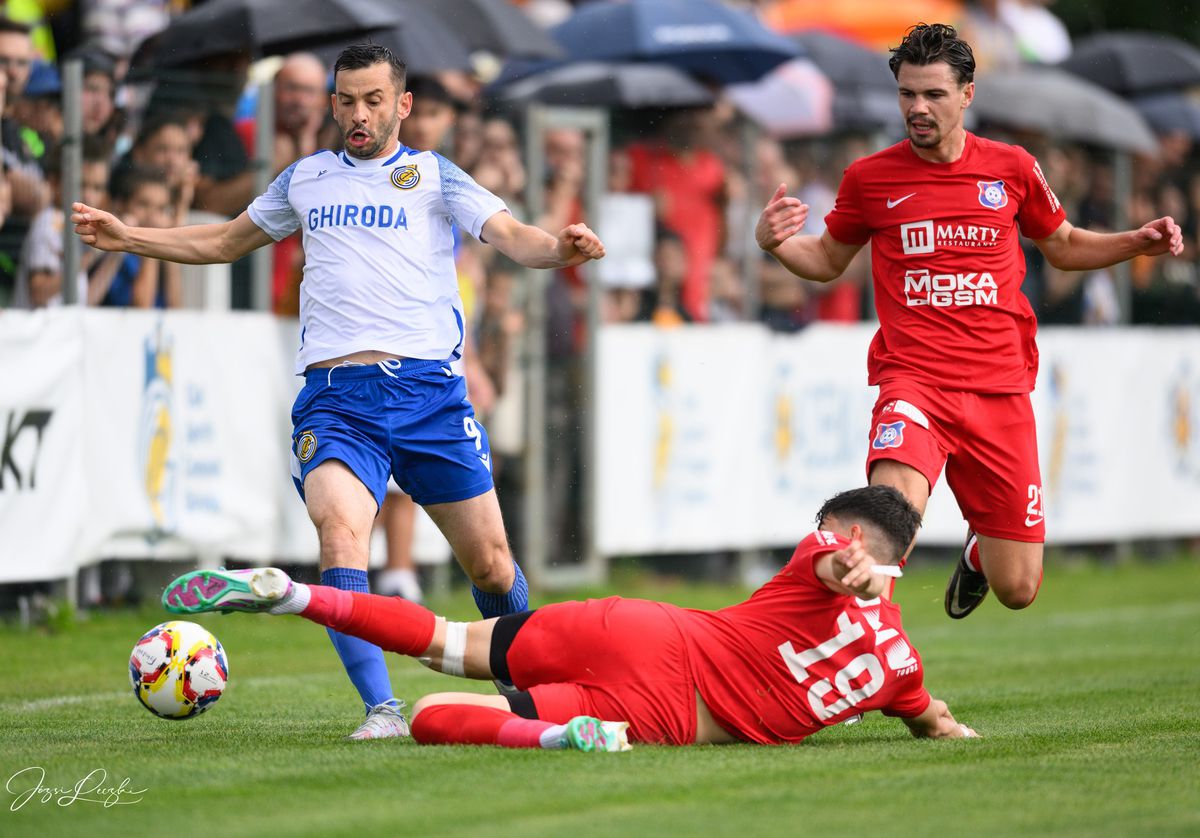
<point>376,162</point>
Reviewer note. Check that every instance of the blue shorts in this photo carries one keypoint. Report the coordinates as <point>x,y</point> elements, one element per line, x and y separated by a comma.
<point>412,421</point>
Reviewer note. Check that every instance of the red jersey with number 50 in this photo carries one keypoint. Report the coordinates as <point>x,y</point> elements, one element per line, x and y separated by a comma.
<point>797,657</point>
<point>947,262</point>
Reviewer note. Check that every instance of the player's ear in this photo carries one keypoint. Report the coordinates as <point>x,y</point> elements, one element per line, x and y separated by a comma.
<point>405,106</point>
<point>968,94</point>
<point>856,533</point>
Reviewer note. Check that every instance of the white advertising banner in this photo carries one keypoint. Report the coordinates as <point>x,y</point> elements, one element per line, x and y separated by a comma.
<point>1119,433</point>
<point>679,437</point>
<point>818,416</point>
<point>182,432</point>
<point>717,438</point>
<point>43,496</point>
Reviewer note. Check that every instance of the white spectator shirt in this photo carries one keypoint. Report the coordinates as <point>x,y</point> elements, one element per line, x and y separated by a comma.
<point>378,250</point>
<point>42,250</point>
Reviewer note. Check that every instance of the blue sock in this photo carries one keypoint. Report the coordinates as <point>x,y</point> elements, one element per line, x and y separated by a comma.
<point>363,661</point>
<point>497,605</point>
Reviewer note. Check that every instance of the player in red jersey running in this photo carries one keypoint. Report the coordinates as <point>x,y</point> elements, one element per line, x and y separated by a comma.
<point>954,357</point>
<point>817,644</point>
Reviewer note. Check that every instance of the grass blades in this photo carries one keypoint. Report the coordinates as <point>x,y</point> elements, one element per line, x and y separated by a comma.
<point>1087,702</point>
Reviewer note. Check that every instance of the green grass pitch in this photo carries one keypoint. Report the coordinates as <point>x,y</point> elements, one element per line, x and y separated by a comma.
<point>1088,703</point>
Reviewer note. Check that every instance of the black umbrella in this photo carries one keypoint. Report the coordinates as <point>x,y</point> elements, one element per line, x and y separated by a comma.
<point>260,27</point>
<point>867,110</point>
<point>417,36</point>
<point>1169,113</point>
<point>1059,104</point>
<point>704,38</point>
<point>608,85</point>
<point>1133,63</point>
<point>864,88</point>
<point>495,26</point>
<point>847,63</point>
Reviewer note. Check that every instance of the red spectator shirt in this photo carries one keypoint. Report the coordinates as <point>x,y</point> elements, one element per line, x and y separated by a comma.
<point>693,185</point>
<point>797,657</point>
<point>947,262</point>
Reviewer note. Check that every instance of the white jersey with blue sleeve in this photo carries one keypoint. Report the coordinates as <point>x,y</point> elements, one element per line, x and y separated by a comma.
<point>378,250</point>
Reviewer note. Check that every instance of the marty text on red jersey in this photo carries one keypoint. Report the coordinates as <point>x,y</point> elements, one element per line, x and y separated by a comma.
<point>947,262</point>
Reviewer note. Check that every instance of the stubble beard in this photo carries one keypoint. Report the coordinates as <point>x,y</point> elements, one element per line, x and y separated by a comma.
<point>930,140</point>
<point>382,138</point>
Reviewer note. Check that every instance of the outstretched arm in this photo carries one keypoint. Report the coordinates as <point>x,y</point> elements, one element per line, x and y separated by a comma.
<point>200,244</point>
<point>937,723</point>
<point>818,258</point>
<point>535,248</point>
<point>1071,248</point>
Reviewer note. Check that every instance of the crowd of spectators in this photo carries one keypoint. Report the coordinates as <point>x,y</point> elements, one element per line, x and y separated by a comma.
<point>168,147</point>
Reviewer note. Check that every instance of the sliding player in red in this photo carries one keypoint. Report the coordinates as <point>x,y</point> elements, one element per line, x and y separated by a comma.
<point>817,644</point>
<point>954,357</point>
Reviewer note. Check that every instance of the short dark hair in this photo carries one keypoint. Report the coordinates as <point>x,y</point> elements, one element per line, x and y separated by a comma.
<point>358,56</point>
<point>927,43</point>
<point>7,24</point>
<point>156,122</point>
<point>96,60</point>
<point>881,506</point>
<point>96,149</point>
<point>124,184</point>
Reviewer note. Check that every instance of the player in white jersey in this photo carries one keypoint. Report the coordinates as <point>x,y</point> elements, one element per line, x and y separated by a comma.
<point>381,321</point>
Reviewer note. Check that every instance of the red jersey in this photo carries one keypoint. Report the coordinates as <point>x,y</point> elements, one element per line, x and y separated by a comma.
<point>947,262</point>
<point>797,657</point>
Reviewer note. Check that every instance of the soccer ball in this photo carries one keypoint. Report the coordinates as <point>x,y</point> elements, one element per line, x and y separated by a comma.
<point>178,670</point>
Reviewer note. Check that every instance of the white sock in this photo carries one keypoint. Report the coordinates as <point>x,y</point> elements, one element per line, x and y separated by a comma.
<point>295,601</point>
<point>552,738</point>
<point>402,582</point>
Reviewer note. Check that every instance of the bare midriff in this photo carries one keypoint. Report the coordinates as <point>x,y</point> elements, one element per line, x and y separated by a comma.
<point>367,356</point>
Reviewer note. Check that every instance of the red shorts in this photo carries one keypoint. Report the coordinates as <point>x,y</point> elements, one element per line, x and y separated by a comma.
<point>615,659</point>
<point>986,441</point>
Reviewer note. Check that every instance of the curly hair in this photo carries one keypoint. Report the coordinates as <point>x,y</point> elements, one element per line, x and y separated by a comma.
<point>881,506</point>
<point>927,43</point>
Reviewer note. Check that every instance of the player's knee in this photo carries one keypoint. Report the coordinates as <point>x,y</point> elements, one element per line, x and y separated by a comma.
<point>340,545</point>
<point>1017,594</point>
<point>491,569</point>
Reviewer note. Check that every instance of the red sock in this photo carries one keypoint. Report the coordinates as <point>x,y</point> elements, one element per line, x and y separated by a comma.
<point>471,724</point>
<point>391,623</point>
<point>973,558</point>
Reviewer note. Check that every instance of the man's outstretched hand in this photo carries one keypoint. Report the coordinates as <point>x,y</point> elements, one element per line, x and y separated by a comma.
<point>781,219</point>
<point>102,230</point>
<point>1162,235</point>
<point>577,244</point>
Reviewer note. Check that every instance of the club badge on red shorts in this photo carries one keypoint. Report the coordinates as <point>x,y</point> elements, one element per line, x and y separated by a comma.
<point>889,435</point>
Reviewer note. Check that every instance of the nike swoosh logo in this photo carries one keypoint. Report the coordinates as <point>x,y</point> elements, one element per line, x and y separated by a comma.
<point>1032,522</point>
<point>323,171</point>
<point>892,204</point>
